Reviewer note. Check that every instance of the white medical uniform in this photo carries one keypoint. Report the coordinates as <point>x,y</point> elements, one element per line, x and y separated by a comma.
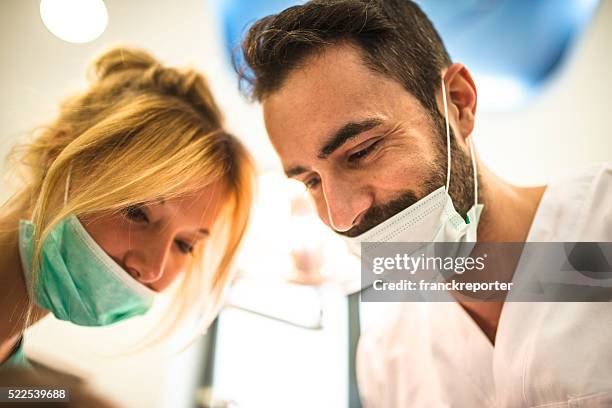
<point>546,354</point>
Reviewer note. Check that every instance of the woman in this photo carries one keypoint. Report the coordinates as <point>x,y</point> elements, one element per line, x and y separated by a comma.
<point>125,191</point>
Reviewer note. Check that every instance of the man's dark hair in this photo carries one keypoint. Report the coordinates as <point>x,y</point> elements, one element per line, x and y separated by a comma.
<point>394,37</point>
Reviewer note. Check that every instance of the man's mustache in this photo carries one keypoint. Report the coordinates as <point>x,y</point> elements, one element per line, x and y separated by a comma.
<point>377,214</point>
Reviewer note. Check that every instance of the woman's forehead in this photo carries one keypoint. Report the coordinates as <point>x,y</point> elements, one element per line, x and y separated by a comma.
<point>205,199</point>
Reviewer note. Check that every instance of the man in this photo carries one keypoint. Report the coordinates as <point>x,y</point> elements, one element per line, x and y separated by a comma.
<point>353,95</point>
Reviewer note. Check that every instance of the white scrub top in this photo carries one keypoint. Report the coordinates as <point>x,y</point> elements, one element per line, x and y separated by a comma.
<point>546,354</point>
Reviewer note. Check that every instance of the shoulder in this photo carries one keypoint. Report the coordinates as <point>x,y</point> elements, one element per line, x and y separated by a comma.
<point>16,356</point>
<point>384,329</point>
<point>576,206</point>
<point>595,216</point>
<point>399,334</point>
<point>598,206</point>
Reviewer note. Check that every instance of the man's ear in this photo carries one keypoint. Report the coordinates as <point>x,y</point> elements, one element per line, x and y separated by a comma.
<point>461,96</point>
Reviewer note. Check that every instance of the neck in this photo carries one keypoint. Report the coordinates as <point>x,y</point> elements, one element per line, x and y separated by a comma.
<point>14,299</point>
<point>508,210</point>
<point>507,217</point>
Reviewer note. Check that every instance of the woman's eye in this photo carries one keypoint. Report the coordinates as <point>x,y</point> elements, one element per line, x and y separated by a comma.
<point>184,247</point>
<point>135,213</point>
<point>355,157</point>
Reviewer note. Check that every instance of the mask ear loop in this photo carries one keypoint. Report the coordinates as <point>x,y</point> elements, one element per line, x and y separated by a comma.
<point>66,189</point>
<point>448,141</point>
<point>448,149</point>
<point>474,168</point>
<point>67,186</point>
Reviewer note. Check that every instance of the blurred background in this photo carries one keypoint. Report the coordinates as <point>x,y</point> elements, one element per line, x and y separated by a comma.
<point>283,340</point>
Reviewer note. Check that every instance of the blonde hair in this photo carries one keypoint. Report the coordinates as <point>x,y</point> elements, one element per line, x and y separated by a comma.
<point>140,132</point>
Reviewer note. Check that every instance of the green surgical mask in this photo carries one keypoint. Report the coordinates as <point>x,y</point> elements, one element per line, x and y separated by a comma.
<point>77,281</point>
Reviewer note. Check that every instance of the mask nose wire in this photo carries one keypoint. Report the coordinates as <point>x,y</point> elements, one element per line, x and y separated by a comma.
<point>448,149</point>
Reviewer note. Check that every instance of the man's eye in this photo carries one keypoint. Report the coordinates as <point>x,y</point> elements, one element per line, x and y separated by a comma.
<point>355,157</point>
<point>312,183</point>
<point>135,213</point>
<point>184,247</point>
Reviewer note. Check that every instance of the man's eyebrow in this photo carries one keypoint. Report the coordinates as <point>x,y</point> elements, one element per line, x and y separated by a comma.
<point>346,133</point>
<point>295,171</point>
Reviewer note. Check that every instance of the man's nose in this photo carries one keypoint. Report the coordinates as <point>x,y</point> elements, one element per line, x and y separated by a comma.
<point>146,263</point>
<point>345,202</point>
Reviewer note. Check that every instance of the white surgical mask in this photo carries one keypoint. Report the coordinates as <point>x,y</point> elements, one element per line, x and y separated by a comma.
<point>431,219</point>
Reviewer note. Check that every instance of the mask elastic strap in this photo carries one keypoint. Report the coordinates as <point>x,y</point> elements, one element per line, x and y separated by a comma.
<point>66,189</point>
<point>448,141</point>
<point>474,170</point>
<point>67,186</point>
<point>448,149</point>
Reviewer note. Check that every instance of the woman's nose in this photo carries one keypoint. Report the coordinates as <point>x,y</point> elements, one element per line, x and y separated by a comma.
<point>147,263</point>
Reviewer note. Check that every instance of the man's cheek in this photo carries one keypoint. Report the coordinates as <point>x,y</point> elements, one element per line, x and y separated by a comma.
<point>396,174</point>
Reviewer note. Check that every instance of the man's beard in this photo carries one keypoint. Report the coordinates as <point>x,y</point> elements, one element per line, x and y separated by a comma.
<point>461,187</point>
